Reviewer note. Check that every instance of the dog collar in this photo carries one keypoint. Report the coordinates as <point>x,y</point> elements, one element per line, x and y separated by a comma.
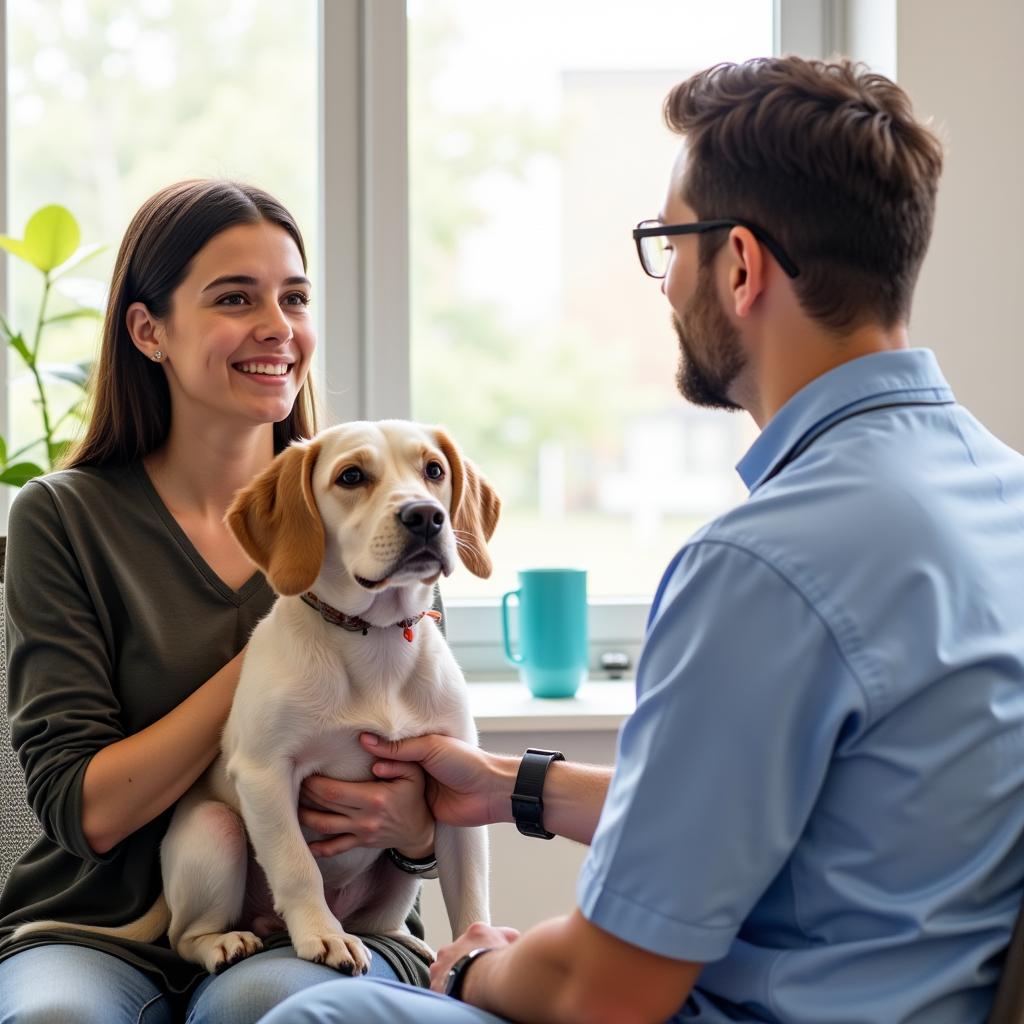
<point>354,624</point>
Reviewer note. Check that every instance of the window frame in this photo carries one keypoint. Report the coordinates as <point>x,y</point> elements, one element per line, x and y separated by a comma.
<point>362,261</point>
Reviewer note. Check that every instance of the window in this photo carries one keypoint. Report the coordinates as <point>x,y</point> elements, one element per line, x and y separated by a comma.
<point>493,287</point>
<point>536,143</point>
<point>109,102</point>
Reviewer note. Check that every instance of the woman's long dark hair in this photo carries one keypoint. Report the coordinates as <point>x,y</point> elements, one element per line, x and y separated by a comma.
<point>131,403</point>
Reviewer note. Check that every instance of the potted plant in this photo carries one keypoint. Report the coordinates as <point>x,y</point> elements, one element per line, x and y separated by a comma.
<point>51,244</point>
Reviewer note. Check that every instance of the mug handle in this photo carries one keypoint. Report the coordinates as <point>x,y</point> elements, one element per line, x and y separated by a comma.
<point>515,659</point>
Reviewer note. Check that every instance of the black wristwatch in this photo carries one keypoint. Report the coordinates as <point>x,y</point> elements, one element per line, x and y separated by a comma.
<point>412,865</point>
<point>457,975</point>
<point>527,805</point>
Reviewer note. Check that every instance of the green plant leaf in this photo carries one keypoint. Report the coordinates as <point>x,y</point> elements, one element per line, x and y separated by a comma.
<point>51,237</point>
<point>55,449</point>
<point>3,452</point>
<point>15,246</point>
<point>20,474</point>
<point>85,253</point>
<point>17,342</point>
<point>73,373</point>
<point>75,314</point>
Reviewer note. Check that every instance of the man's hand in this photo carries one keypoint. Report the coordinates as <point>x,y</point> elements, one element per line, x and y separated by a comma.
<point>376,814</point>
<point>465,785</point>
<point>474,937</point>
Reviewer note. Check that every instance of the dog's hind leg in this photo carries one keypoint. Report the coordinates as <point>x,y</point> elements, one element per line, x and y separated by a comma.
<point>204,857</point>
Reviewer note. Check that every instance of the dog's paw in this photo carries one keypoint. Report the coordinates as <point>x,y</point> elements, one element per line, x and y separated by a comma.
<point>218,952</point>
<point>343,952</point>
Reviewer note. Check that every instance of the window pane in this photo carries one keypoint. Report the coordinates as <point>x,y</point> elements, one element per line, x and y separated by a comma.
<point>109,101</point>
<point>536,144</point>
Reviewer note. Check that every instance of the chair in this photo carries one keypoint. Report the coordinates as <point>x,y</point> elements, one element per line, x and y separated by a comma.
<point>18,825</point>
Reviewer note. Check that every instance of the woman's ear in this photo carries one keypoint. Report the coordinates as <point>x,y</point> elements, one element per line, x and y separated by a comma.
<point>147,332</point>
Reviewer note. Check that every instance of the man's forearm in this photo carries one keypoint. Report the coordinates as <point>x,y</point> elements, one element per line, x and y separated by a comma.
<point>573,796</point>
<point>568,971</point>
<point>549,976</point>
<point>496,981</point>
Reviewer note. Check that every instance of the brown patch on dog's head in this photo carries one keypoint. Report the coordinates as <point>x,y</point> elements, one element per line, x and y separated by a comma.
<point>474,511</point>
<point>277,522</point>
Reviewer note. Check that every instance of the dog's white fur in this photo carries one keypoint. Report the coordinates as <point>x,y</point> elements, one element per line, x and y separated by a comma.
<point>307,690</point>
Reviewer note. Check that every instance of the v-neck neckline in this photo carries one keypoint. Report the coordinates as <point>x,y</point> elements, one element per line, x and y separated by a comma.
<point>236,597</point>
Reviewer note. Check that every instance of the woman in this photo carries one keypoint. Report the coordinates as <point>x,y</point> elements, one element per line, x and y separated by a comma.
<point>129,605</point>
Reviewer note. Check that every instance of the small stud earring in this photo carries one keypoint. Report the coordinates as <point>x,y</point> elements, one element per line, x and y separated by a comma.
<point>157,356</point>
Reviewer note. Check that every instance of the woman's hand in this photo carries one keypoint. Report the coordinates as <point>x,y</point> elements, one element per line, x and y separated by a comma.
<point>377,814</point>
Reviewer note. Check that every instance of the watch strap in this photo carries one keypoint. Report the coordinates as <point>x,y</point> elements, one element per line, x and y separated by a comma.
<point>527,801</point>
<point>412,865</point>
<point>457,975</point>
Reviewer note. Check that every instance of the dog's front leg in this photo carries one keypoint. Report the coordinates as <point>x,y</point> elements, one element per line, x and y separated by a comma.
<point>462,870</point>
<point>268,795</point>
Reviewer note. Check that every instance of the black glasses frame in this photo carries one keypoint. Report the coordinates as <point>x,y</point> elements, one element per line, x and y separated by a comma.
<point>653,229</point>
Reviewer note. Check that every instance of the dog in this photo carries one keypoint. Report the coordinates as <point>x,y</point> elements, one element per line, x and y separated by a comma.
<point>352,530</point>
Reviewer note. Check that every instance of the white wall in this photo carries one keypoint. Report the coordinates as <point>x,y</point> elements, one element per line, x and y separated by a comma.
<point>961,64</point>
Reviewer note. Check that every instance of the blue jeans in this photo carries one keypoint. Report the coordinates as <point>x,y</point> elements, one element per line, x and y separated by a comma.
<point>373,1001</point>
<point>65,984</point>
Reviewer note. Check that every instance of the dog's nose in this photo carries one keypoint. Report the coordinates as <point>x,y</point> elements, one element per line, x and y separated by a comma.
<point>422,518</point>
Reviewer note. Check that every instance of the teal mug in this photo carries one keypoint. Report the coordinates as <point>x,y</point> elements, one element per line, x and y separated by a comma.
<point>552,630</point>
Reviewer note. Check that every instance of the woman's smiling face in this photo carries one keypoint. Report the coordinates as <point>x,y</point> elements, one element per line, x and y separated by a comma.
<point>238,339</point>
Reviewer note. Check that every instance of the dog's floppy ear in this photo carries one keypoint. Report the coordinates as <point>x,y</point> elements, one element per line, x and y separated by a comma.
<point>475,508</point>
<point>277,522</point>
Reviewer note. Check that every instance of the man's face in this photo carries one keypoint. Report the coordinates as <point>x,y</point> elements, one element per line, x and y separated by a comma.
<point>711,354</point>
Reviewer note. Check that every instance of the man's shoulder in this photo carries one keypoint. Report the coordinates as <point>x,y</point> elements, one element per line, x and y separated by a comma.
<point>842,493</point>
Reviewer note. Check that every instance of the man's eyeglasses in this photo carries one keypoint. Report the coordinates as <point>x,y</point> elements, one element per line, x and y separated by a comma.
<point>655,256</point>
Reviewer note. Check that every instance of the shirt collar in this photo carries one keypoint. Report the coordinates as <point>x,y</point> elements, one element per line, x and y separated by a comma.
<point>882,377</point>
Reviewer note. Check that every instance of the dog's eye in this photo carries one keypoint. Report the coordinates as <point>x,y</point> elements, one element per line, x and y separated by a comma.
<point>434,471</point>
<point>350,477</point>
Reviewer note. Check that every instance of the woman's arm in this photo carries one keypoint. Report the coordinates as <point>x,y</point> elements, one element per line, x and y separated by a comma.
<point>90,779</point>
<point>129,783</point>
<point>469,786</point>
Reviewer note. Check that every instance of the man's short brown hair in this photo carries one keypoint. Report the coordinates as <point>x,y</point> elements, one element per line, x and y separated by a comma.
<point>826,157</point>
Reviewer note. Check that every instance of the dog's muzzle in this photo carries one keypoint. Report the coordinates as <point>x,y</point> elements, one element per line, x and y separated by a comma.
<point>423,519</point>
<point>424,549</point>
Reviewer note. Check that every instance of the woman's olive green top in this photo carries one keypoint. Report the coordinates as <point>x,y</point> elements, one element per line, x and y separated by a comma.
<point>113,619</point>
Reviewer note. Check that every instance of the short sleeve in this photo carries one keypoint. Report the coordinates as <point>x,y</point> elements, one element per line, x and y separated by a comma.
<point>61,704</point>
<point>742,694</point>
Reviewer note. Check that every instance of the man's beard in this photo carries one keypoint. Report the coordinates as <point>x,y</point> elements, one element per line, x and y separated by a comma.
<point>705,379</point>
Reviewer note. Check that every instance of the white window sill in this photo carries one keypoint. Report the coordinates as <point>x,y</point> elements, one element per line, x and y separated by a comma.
<point>599,706</point>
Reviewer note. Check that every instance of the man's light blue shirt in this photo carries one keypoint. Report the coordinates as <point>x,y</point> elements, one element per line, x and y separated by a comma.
<point>821,792</point>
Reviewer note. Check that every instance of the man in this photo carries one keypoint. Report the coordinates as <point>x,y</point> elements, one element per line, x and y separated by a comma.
<point>815,811</point>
